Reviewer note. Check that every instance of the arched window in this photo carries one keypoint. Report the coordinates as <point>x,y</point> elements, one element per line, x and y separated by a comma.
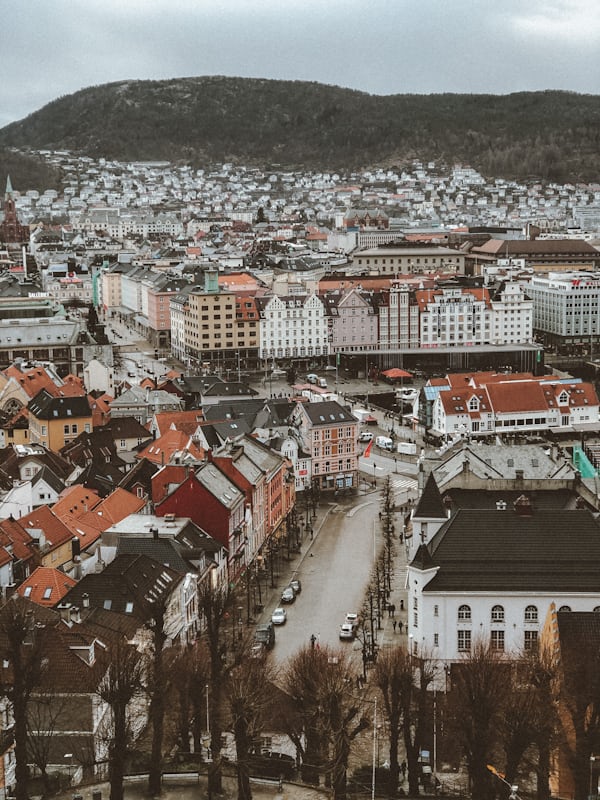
<point>498,614</point>
<point>464,613</point>
<point>565,608</point>
<point>531,614</point>
<point>597,610</point>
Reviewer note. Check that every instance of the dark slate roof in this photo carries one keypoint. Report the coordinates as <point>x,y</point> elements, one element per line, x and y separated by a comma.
<point>246,408</point>
<point>129,579</point>
<point>44,406</point>
<point>430,505</point>
<point>165,551</point>
<point>141,474</point>
<point>231,389</point>
<point>126,428</point>
<point>480,498</point>
<point>329,412</point>
<point>550,550</point>
<point>50,477</point>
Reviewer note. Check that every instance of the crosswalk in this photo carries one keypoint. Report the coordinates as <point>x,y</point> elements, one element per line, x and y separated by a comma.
<point>403,484</point>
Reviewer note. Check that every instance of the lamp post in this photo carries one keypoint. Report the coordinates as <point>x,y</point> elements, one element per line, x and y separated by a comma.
<point>592,759</point>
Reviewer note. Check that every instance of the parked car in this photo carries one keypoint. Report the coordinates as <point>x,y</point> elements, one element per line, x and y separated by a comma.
<point>352,619</point>
<point>365,436</point>
<point>312,378</point>
<point>347,631</point>
<point>279,616</point>
<point>288,595</point>
<point>265,635</point>
<point>271,765</point>
<point>296,585</point>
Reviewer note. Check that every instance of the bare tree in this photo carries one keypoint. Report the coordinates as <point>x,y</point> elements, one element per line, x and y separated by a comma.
<point>191,672</point>
<point>122,682</point>
<point>393,678</point>
<point>157,688</point>
<point>302,680</point>
<point>46,714</point>
<point>249,691</point>
<point>212,603</point>
<point>22,644</point>
<point>480,685</point>
<point>329,716</point>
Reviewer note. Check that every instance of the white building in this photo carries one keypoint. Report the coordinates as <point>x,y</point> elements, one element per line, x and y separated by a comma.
<point>566,307</point>
<point>490,574</point>
<point>292,327</point>
<point>487,403</point>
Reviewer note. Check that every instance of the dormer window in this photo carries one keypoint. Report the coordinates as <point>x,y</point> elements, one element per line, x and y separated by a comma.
<point>474,404</point>
<point>563,398</point>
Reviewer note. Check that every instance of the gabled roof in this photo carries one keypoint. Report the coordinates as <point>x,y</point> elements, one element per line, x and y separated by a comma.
<point>75,500</point>
<point>162,450</point>
<point>49,477</point>
<point>186,421</point>
<point>44,406</point>
<point>328,412</point>
<point>43,519</point>
<point>128,585</point>
<point>46,586</point>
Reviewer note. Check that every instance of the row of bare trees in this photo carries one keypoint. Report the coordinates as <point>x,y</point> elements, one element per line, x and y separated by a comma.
<point>513,713</point>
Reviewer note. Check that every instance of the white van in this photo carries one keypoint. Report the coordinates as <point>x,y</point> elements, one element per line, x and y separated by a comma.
<point>322,383</point>
<point>384,442</point>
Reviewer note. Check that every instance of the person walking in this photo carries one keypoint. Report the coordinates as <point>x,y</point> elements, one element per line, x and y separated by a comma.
<point>394,623</point>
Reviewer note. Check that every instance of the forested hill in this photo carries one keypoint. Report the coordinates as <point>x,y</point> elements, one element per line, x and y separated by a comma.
<point>547,135</point>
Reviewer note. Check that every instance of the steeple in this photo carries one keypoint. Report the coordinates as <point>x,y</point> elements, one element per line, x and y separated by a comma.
<point>9,189</point>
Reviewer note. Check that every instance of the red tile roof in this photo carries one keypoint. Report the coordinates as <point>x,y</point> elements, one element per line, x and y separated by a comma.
<point>46,586</point>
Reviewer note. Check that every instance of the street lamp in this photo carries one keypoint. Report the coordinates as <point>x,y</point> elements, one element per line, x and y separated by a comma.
<point>592,759</point>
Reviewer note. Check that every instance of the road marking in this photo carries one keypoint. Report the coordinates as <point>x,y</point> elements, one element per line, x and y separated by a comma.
<point>353,511</point>
<point>404,485</point>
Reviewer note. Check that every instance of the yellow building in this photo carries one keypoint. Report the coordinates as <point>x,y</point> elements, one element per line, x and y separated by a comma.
<point>55,421</point>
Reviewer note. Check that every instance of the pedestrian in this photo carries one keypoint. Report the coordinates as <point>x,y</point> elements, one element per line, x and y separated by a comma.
<point>400,626</point>
<point>394,625</point>
<point>401,605</point>
<point>313,639</point>
<point>389,609</point>
<point>393,609</point>
<point>403,769</point>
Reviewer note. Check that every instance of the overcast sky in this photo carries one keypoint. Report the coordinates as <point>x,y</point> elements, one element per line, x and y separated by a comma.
<point>52,48</point>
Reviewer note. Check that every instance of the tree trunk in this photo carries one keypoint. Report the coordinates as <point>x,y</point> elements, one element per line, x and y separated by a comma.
<point>340,768</point>
<point>157,709</point>
<point>242,747</point>
<point>21,768</point>
<point>117,751</point>
<point>394,765</point>
<point>543,772</point>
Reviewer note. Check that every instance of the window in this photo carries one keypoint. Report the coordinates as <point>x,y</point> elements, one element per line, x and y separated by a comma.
<point>497,640</point>
<point>531,614</point>
<point>464,613</point>
<point>47,593</point>
<point>66,430</point>
<point>498,614</point>
<point>565,608</point>
<point>530,640</point>
<point>464,641</point>
<point>128,608</point>
<point>436,640</point>
<point>436,611</point>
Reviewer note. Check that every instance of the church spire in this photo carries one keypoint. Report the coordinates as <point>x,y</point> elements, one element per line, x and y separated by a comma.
<point>9,189</point>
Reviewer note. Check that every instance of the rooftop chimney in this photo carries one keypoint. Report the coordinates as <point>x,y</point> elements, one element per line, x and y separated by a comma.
<point>522,506</point>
